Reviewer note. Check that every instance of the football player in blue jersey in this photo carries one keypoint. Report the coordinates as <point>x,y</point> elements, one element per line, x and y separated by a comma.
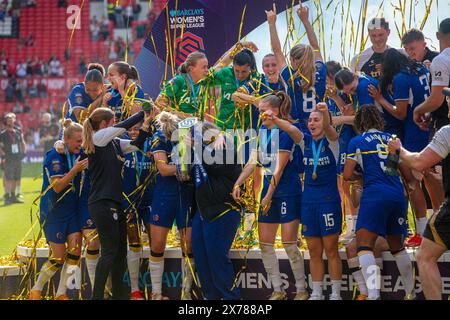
<point>259,87</point>
<point>137,188</point>
<point>172,201</point>
<point>281,194</point>
<point>87,94</point>
<point>321,214</point>
<point>59,209</point>
<point>306,75</point>
<point>342,118</point>
<point>125,92</point>
<point>383,208</point>
<point>409,83</point>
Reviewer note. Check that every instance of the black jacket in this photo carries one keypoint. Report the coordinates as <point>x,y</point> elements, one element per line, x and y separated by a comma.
<point>214,196</point>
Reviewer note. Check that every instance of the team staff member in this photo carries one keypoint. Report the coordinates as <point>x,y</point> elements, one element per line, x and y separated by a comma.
<point>59,209</point>
<point>87,94</point>
<point>382,211</point>
<point>105,152</point>
<point>440,78</point>
<point>216,220</point>
<point>281,194</point>
<point>436,238</point>
<point>12,150</point>
<point>369,61</point>
<point>306,75</point>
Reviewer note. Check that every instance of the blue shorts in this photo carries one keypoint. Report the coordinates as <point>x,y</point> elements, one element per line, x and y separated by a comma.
<point>321,219</point>
<point>57,231</point>
<point>86,221</point>
<point>167,209</point>
<point>143,213</point>
<point>282,210</point>
<point>383,217</point>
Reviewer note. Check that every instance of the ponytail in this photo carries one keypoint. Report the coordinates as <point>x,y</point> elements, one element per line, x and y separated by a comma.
<point>70,127</point>
<point>306,67</point>
<point>245,57</point>
<point>343,78</point>
<point>96,66</point>
<point>92,124</point>
<point>88,131</point>
<point>167,122</point>
<point>125,68</point>
<point>191,61</point>
<point>281,101</point>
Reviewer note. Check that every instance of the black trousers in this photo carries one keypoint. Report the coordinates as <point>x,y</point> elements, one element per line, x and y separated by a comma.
<point>111,225</point>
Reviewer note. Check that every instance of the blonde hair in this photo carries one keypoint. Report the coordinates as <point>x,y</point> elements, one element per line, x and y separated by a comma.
<point>306,68</point>
<point>191,61</point>
<point>70,127</point>
<point>167,123</point>
<point>92,124</point>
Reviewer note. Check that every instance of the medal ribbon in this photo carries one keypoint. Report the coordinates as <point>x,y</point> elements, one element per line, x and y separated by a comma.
<point>316,154</point>
<point>194,92</point>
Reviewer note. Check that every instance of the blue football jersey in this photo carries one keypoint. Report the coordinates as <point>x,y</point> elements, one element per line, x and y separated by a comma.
<point>260,86</point>
<point>63,205</point>
<point>78,99</point>
<point>136,169</point>
<point>116,101</point>
<point>362,95</point>
<point>369,151</point>
<point>303,103</point>
<point>270,143</point>
<point>324,187</point>
<point>166,185</point>
<point>415,88</point>
<point>344,131</point>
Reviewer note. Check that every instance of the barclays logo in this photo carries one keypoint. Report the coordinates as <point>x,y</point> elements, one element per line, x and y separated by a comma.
<point>186,12</point>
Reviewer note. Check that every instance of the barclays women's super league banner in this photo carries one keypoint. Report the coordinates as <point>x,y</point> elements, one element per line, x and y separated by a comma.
<point>211,26</point>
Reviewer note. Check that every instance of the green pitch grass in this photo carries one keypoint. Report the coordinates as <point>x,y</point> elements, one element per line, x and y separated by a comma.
<point>15,219</point>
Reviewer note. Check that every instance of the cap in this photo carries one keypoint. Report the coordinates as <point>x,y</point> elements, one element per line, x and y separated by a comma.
<point>378,23</point>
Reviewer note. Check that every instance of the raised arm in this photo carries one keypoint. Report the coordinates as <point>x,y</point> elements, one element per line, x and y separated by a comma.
<point>102,137</point>
<point>303,13</point>
<point>228,56</point>
<point>274,40</point>
<point>330,131</point>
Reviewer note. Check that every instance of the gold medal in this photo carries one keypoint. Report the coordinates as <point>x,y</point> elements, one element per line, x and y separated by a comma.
<point>314,176</point>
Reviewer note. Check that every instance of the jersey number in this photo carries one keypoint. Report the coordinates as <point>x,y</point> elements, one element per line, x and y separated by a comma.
<point>283,208</point>
<point>329,220</point>
<point>426,85</point>
<point>309,103</point>
<point>382,155</point>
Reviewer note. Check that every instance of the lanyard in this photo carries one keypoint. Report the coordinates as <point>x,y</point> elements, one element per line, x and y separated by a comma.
<point>316,154</point>
<point>70,159</point>
<point>194,92</point>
